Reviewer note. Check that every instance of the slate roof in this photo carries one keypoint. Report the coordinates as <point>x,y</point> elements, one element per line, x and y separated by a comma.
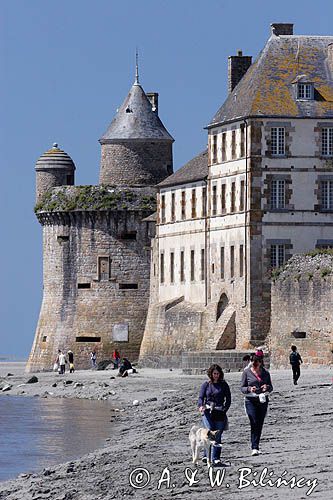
<point>194,170</point>
<point>55,158</point>
<point>267,87</point>
<point>136,120</point>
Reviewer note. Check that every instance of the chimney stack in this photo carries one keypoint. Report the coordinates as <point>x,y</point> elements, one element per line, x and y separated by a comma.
<point>237,67</point>
<point>282,29</point>
<point>153,98</point>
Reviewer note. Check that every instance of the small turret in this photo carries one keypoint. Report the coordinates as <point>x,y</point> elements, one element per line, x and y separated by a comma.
<point>53,168</point>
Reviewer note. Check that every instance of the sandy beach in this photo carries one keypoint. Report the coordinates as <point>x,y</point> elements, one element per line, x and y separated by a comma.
<point>149,442</point>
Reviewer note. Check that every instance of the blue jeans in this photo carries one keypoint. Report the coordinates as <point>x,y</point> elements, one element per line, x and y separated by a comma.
<point>214,425</point>
<point>256,412</point>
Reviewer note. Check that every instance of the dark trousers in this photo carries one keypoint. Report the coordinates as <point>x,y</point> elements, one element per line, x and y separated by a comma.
<point>256,412</point>
<point>62,369</point>
<point>296,372</point>
<point>214,425</point>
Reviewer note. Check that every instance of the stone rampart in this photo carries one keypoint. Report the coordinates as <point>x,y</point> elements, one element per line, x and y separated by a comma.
<point>302,311</point>
<point>96,285</point>
<point>231,360</point>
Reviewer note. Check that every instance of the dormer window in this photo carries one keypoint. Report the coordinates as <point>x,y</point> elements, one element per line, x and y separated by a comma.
<point>305,91</point>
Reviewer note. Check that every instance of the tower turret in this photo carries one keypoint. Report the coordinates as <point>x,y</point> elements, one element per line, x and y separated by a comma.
<point>136,148</point>
<point>53,168</point>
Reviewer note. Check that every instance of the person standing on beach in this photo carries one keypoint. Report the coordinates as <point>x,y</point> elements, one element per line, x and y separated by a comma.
<point>115,359</point>
<point>247,361</point>
<point>256,384</point>
<point>62,362</point>
<point>213,403</point>
<point>295,361</point>
<point>93,359</point>
<point>70,355</point>
<point>260,354</point>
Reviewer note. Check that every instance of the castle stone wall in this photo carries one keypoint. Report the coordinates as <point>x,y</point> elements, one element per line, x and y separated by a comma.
<point>135,163</point>
<point>197,363</point>
<point>46,180</point>
<point>302,306</point>
<point>89,271</point>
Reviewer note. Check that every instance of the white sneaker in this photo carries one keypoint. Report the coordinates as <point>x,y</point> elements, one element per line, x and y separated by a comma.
<point>255,452</point>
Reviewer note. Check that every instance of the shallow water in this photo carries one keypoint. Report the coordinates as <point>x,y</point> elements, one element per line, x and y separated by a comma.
<point>36,433</point>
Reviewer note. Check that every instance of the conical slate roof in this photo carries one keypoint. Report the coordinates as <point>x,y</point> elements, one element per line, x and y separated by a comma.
<point>136,120</point>
<point>55,158</point>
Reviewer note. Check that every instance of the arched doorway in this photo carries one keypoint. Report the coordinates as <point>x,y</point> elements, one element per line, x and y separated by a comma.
<point>221,306</point>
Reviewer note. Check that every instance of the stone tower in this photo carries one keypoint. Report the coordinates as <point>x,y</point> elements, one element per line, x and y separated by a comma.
<point>96,239</point>
<point>136,148</point>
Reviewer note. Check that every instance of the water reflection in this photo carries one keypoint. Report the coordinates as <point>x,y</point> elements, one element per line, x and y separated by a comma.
<point>37,433</point>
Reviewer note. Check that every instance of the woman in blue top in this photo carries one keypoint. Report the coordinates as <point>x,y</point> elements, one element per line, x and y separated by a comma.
<point>214,402</point>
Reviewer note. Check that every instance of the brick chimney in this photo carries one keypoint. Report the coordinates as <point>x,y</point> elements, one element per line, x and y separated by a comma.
<point>237,67</point>
<point>153,97</point>
<point>282,29</point>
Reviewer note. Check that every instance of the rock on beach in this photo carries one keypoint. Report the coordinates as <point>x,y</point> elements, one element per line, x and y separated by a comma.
<point>297,438</point>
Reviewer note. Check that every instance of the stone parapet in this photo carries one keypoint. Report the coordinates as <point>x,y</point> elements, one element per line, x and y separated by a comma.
<point>198,362</point>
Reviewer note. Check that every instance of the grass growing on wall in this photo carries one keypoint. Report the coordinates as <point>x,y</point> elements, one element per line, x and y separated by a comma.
<point>69,198</point>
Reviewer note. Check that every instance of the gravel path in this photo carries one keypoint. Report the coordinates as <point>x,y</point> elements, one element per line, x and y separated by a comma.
<point>153,436</point>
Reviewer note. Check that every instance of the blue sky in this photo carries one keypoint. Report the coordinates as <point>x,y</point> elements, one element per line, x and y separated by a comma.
<point>67,66</point>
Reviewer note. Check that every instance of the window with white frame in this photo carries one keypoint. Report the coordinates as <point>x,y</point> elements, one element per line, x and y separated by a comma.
<point>327,141</point>
<point>277,255</point>
<point>204,202</point>
<point>172,267</point>
<point>327,195</point>
<point>277,141</point>
<point>214,149</point>
<point>192,266</point>
<point>182,266</point>
<point>162,268</point>
<point>214,200</point>
<point>173,206</point>
<point>163,208</point>
<point>278,189</point>
<point>305,91</point>
<point>202,264</point>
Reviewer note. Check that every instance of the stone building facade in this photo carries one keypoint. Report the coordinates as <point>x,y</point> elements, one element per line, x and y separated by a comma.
<point>96,239</point>
<point>267,182</point>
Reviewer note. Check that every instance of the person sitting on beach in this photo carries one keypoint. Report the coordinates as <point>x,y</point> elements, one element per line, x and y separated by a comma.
<point>214,402</point>
<point>124,367</point>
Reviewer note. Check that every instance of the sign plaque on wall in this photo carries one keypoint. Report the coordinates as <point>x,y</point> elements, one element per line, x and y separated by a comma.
<point>120,332</point>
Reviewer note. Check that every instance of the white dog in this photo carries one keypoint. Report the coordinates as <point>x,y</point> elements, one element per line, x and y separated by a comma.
<point>201,438</point>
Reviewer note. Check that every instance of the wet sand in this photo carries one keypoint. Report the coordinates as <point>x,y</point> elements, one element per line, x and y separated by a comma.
<point>153,436</point>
